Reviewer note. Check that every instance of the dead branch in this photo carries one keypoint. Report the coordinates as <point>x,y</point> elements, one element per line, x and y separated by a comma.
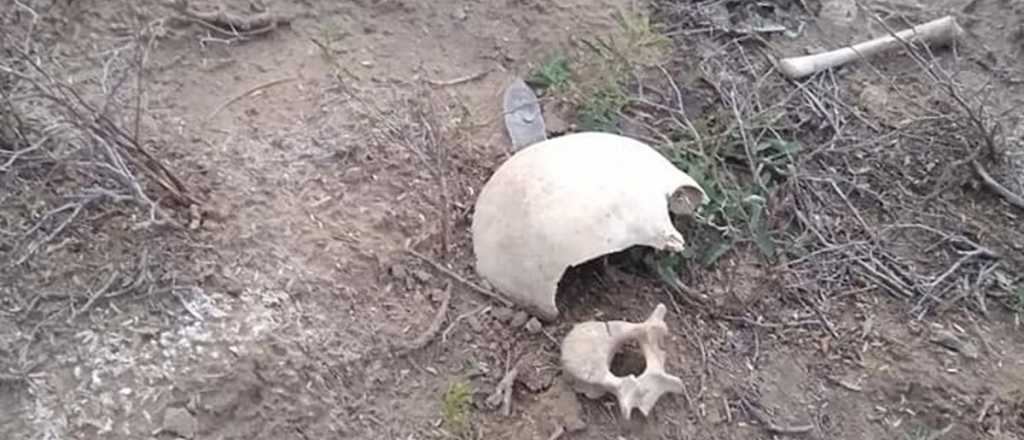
<point>96,295</point>
<point>979,252</point>
<point>105,291</point>
<point>85,117</point>
<point>502,394</point>
<point>996,187</point>
<point>46,135</point>
<point>985,129</point>
<point>33,246</point>
<point>228,23</point>
<point>83,140</point>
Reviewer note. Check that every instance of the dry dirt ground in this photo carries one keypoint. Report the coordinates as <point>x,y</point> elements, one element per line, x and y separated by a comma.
<point>316,143</point>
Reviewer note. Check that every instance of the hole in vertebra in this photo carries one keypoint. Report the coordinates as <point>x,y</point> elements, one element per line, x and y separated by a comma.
<point>628,360</point>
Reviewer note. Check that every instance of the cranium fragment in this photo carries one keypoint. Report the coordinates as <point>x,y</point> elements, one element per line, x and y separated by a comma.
<point>566,200</point>
<point>587,353</point>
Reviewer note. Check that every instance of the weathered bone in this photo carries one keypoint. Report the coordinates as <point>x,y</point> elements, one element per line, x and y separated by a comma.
<point>567,200</point>
<point>936,32</point>
<point>587,353</point>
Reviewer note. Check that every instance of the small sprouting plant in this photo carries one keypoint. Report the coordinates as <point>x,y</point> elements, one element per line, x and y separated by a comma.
<point>553,74</point>
<point>455,408</point>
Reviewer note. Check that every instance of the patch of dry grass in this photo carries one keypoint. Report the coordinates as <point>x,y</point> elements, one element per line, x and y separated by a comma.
<point>836,202</point>
<point>80,185</point>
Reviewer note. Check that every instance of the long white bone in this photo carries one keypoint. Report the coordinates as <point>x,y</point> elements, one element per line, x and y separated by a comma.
<point>936,32</point>
<point>587,353</point>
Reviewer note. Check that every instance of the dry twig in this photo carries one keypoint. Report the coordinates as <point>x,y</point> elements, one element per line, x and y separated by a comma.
<point>997,187</point>
<point>248,92</point>
<point>557,433</point>
<point>502,394</point>
<point>104,131</point>
<point>985,129</point>
<point>767,422</point>
<point>431,331</point>
<point>459,80</point>
<point>475,287</point>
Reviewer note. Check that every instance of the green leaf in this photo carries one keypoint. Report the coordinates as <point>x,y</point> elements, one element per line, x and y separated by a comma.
<point>716,252</point>
<point>757,227</point>
<point>689,252</point>
<point>785,147</point>
<point>764,242</point>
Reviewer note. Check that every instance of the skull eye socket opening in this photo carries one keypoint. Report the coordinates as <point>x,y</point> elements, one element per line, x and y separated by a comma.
<point>628,359</point>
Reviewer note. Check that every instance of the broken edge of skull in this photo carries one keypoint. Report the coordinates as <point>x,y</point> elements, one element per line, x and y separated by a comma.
<point>567,200</point>
<point>587,353</point>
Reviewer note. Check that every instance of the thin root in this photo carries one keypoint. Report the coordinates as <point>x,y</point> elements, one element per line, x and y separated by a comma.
<point>247,93</point>
<point>460,80</point>
<point>772,426</point>
<point>435,326</point>
<point>997,187</point>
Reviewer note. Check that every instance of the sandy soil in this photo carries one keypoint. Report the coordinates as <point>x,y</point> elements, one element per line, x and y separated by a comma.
<point>275,318</point>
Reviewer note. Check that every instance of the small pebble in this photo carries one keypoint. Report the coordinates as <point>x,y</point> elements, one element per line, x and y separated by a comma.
<point>398,271</point>
<point>519,319</point>
<point>503,314</point>
<point>534,326</point>
<point>460,14</point>
<point>422,276</point>
<point>436,295</point>
<point>475,324</point>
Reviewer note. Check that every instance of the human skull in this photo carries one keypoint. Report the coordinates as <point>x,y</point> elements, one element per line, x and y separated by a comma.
<point>566,200</point>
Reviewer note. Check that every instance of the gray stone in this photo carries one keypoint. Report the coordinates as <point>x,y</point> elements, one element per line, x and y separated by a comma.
<point>475,324</point>
<point>180,422</point>
<point>503,314</point>
<point>519,319</point>
<point>533,326</point>
<point>422,276</point>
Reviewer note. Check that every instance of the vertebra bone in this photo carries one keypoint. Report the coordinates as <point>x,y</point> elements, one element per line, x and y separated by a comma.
<point>587,353</point>
<point>570,199</point>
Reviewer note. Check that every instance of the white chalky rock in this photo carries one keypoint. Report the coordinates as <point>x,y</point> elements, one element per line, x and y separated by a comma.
<point>566,200</point>
<point>587,353</point>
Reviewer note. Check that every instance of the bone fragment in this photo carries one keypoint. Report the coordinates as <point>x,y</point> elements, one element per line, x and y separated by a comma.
<point>936,32</point>
<point>587,353</point>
